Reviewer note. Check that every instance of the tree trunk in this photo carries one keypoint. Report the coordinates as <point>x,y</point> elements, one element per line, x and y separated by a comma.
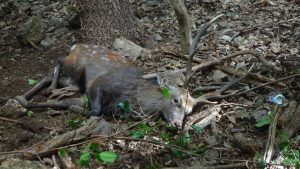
<point>104,20</point>
<point>184,24</point>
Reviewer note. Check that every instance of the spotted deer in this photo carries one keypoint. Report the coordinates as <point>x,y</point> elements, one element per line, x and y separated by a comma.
<point>108,78</point>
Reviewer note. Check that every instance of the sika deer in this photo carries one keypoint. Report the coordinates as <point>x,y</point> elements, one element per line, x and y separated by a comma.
<point>108,79</point>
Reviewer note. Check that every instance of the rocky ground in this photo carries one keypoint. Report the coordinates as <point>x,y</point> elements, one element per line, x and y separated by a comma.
<point>268,27</point>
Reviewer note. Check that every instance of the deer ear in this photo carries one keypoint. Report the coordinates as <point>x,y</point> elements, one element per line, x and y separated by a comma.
<point>161,80</point>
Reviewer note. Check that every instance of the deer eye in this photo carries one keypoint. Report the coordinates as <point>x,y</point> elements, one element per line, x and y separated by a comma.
<point>175,100</point>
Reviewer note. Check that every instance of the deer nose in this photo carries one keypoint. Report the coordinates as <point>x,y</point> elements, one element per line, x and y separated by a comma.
<point>176,124</point>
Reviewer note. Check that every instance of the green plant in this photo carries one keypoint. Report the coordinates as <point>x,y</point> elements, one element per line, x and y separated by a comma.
<point>29,113</point>
<point>291,155</point>
<point>73,124</point>
<point>92,150</point>
<point>86,103</point>
<point>141,130</point>
<point>166,92</point>
<point>125,106</point>
<point>107,157</point>
<point>32,81</point>
<point>266,120</point>
<point>61,152</point>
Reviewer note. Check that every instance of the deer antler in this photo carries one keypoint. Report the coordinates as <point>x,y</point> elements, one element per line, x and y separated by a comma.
<point>202,99</point>
<point>201,32</point>
<point>218,94</point>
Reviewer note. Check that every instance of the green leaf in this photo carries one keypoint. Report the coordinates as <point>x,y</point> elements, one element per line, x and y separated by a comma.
<point>265,121</point>
<point>144,127</point>
<point>32,82</point>
<point>170,128</point>
<point>259,155</point>
<point>88,147</point>
<point>62,152</point>
<point>187,138</point>
<point>29,113</point>
<point>284,147</point>
<point>84,159</point>
<point>261,164</point>
<point>298,138</point>
<point>107,156</point>
<point>94,147</point>
<point>200,149</point>
<point>138,134</point>
<point>86,103</point>
<point>198,129</point>
<point>289,161</point>
<point>153,167</point>
<point>72,124</point>
<point>177,153</point>
<point>166,92</point>
<point>165,136</point>
<point>179,141</point>
<point>124,106</point>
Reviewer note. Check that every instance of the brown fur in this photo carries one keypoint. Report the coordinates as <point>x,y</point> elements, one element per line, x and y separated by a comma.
<point>109,79</point>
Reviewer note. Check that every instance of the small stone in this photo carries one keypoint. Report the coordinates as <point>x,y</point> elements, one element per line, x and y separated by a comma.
<point>130,49</point>
<point>258,115</point>
<point>219,76</point>
<point>20,164</point>
<point>12,108</point>
<point>61,31</point>
<point>2,24</point>
<point>47,42</point>
<point>32,30</point>
<point>57,22</point>
<point>156,37</point>
<point>4,83</point>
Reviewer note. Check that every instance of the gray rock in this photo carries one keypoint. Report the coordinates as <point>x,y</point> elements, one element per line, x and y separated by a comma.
<point>12,108</point>
<point>22,5</point>
<point>47,42</point>
<point>152,3</point>
<point>130,49</point>
<point>2,24</point>
<point>61,31</point>
<point>156,37</point>
<point>104,128</point>
<point>73,17</point>
<point>4,83</point>
<point>219,76</point>
<point>32,30</point>
<point>38,10</point>
<point>258,115</point>
<point>57,22</point>
<point>16,163</point>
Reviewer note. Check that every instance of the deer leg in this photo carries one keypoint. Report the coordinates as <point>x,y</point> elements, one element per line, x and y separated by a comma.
<point>95,98</point>
<point>54,104</point>
<point>55,77</point>
<point>23,99</point>
<point>44,82</point>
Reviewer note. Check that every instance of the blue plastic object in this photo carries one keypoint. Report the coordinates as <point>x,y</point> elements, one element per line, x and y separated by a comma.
<point>277,98</point>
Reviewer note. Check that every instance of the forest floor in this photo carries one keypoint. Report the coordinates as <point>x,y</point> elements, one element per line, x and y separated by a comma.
<point>269,27</point>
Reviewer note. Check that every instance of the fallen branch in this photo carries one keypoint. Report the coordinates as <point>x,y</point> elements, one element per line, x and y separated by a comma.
<point>19,122</point>
<point>265,84</point>
<point>271,136</point>
<point>236,165</point>
<point>257,78</point>
<point>209,63</point>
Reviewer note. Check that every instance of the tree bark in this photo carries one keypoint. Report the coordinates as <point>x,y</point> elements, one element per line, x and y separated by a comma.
<point>104,20</point>
<point>184,24</point>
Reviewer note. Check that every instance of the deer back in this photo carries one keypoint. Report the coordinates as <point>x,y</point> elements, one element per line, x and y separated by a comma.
<point>109,79</point>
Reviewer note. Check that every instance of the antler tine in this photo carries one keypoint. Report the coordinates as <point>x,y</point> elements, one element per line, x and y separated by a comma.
<point>202,99</point>
<point>193,49</point>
